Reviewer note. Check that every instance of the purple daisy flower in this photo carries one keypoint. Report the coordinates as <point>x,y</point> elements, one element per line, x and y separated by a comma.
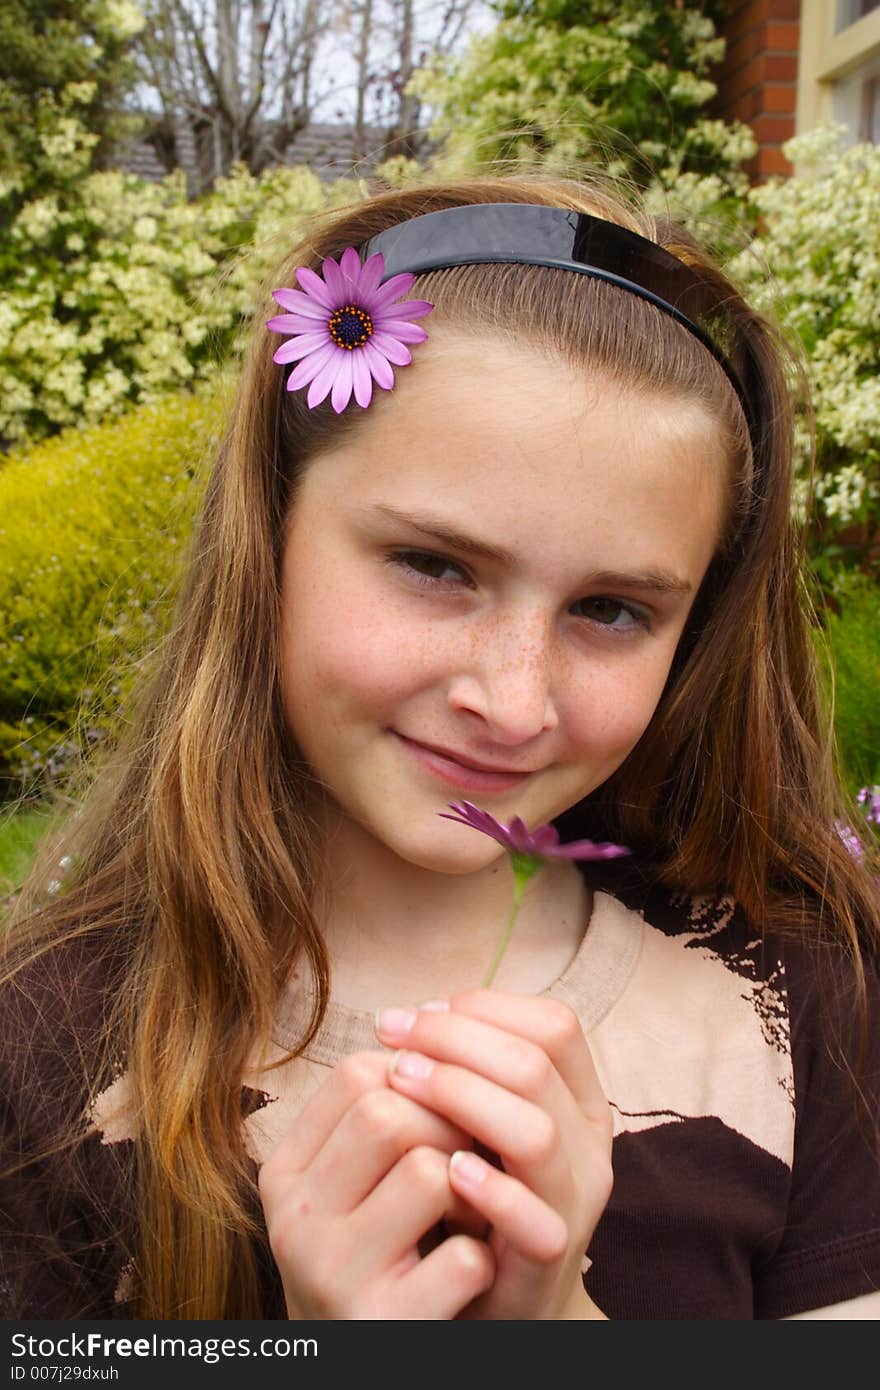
<point>542,843</point>
<point>347,328</point>
<point>869,797</point>
<point>528,849</point>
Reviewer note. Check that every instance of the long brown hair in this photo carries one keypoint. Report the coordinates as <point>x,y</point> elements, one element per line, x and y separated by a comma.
<point>194,867</point>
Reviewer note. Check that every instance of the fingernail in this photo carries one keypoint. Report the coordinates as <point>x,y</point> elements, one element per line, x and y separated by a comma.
<point>468,1167</point>
<point>411,1064</point>
<point>435,1006</point>
<point>394,1023</point>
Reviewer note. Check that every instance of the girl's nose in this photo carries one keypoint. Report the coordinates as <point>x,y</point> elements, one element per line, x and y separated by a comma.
<point>509,685</point>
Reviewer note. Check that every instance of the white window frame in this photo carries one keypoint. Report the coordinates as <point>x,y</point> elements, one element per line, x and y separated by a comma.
<point>826,57</point>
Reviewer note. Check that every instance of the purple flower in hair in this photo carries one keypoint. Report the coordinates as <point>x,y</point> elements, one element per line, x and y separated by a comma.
<point>347,328</point>
<point>528,850</point>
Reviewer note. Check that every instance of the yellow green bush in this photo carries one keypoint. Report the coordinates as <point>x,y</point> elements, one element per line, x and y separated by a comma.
<point>850,646</point>
<point>92,525</point>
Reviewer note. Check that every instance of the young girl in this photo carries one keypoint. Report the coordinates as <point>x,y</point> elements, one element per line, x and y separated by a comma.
<point>541,562</point>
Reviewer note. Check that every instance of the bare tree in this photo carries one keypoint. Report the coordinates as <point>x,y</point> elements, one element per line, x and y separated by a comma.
<point>233,79</point>
<point>239,79</point>
<point>363,14</point>
<point>393,38</point>
<point>438,29</point>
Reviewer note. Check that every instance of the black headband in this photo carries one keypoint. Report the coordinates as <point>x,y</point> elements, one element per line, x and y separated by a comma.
<point>531,234</point>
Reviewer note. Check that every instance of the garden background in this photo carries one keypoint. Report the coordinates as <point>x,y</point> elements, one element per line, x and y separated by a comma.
<point>124,300</point>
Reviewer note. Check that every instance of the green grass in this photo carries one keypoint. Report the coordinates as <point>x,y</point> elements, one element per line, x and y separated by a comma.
<point>20,830</point>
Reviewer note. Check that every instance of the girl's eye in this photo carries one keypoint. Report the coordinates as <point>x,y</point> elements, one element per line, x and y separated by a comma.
<point>610,612</point>
<point>425,567</point>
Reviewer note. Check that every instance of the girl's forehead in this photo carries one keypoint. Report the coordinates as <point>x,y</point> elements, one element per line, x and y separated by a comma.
<point>473,412</point>
<point>527,455</point>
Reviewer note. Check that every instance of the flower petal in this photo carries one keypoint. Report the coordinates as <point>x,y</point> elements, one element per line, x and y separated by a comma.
<point>297,323</point>
<point>408,309</point>
<point>541,843</point>
<point>370,275</point>
<point>389,347</point>
<point>520,839</point>
<point>469,814</point>
<point>350,269</point>
<point>392,289</point>
<point>363,381</point>
<point>294,348</point>
<point>544,839</point>
<point>500,836</point>
<point>335,281</point>
<point>315,286</point>
<point>586,849</point>
<point>300,303</point>
<point>323,382</point>
<point>379,366</point>
<point>404,332</point>
<point>310,366</point>
<point>342,386</point>
<point>476,816</point>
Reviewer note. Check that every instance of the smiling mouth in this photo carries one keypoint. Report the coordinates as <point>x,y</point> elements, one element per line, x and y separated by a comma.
<point>460,771</point>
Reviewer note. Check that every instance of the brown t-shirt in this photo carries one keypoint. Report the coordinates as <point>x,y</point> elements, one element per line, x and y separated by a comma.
<point>745,1186</point>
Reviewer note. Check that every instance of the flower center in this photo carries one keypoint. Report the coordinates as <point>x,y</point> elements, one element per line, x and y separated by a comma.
<point>350,327</point>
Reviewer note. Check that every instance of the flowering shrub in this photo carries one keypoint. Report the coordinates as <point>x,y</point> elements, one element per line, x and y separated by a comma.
<point>127,291</point>
<point>64,74</point>
<point>820,239</point>
<point>91,527</point>
<point>577,83</point>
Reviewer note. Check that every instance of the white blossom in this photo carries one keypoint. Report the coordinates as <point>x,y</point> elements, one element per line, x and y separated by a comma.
<point>123,18</point>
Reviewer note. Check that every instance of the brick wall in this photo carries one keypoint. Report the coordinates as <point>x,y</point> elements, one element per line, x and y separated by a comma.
<point>757,81</point>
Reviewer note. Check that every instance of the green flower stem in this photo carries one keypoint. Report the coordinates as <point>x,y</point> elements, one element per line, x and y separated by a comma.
<point>525,866</point>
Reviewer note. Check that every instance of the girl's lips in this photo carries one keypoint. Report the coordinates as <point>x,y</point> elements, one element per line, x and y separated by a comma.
<point>456,774</point>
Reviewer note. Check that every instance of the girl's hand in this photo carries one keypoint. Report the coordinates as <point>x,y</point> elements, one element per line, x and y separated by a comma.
<point>350,1192</point>
<point>516,1073</point>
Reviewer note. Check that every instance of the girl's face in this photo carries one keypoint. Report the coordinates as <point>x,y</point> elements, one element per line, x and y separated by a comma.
<point>483,591</point>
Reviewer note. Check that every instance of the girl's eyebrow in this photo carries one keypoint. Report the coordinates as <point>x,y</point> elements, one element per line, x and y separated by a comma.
<point>655,580</point>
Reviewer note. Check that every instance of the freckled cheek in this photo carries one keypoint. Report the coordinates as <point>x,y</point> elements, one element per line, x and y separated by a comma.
<point>608,714</point>
<point>353,656</point>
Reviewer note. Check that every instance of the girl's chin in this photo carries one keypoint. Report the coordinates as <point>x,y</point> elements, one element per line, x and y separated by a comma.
<point>451,863</point>
<point>474,854</point>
